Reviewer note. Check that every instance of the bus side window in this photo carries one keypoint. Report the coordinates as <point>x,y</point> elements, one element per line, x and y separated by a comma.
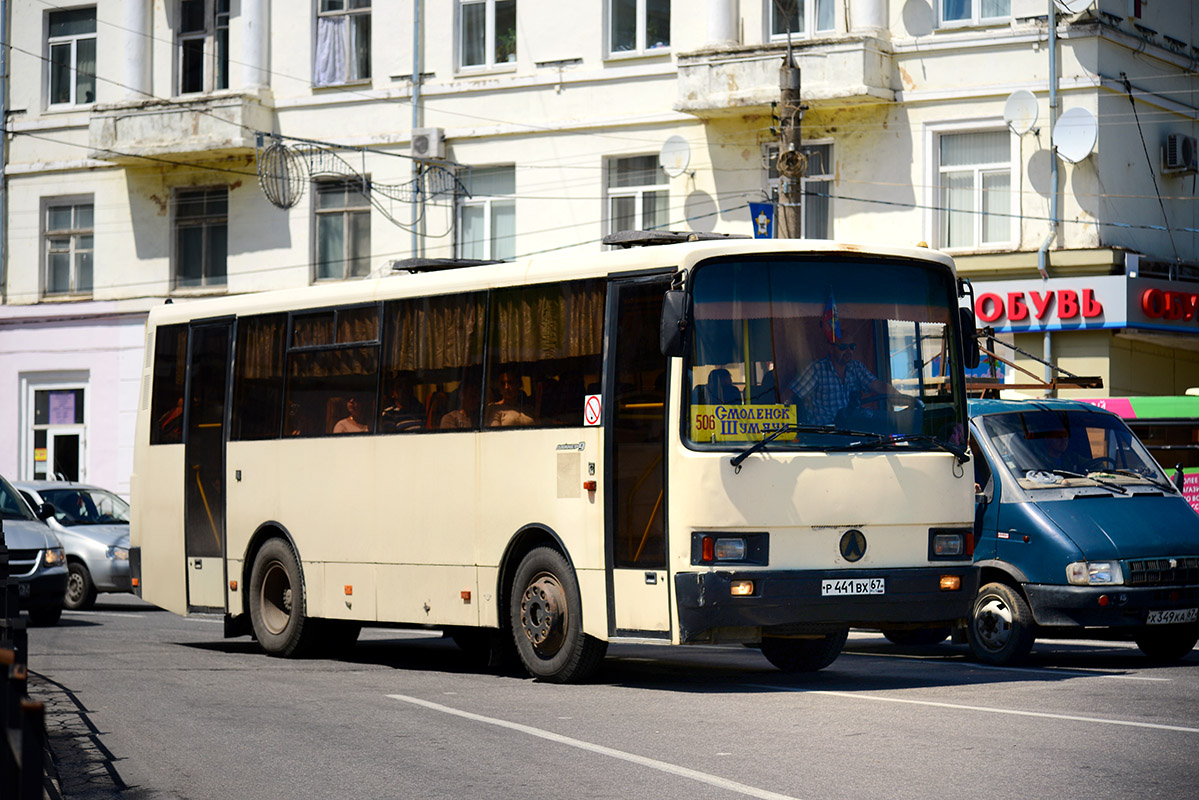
<point>166,405</point>
<point>258,383</point>
<point>333,359</point>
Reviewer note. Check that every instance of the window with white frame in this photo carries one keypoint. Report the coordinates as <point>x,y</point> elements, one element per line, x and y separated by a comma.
<point>68,248</point>
<point>801,17</point>
<point>974,12</point>
<point>203,46</point>
<point>975,180</point>
<point>638,26</point>
<point>201,236</point>
<point>55,433</point>
<point>343,230</point>
<point>343,42</point>
<point>638,197</point>
<point>487,219</point>
<point>72,56</point>
<point>486,33</point>
<point>816,222</point>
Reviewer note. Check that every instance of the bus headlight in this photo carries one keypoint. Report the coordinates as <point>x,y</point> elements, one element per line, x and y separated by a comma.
<point>1094,573</point>
<point>117,553</point>
<point>53,557</point>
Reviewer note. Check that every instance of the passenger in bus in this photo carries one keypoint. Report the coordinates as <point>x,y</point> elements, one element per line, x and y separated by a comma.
<point>170,424</point>
<point>834,383</point>
<point>463,417</point>
<point>719,390</point>
<point>512,406</point>
<point>403,412</point>
<point>353,421</point>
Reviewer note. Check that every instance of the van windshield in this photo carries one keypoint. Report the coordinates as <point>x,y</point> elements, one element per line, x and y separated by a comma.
<point>1046,448</point>
<point>12,506</point>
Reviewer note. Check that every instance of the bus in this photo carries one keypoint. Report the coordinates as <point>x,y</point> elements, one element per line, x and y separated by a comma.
<point>1169,429</point>
<point>544,456</point>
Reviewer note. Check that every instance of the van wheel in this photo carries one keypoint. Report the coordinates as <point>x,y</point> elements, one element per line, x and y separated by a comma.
<point>1001,626</point>
<point>277,602</point>
<point>917,636</point>
<point>804,655</point>
<point>81,591</point>
<point>1168,642</point>
<point>547,620</point>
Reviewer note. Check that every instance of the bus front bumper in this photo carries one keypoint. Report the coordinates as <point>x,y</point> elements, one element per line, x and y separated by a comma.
<point>791,601</point>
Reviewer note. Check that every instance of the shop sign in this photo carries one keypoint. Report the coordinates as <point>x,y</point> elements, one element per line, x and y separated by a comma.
<point>1053,304</point>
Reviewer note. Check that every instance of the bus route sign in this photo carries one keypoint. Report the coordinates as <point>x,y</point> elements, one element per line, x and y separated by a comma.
<point>736,423</point>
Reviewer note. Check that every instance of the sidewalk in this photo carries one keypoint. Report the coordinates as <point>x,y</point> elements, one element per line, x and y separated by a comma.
<point>78,766</point>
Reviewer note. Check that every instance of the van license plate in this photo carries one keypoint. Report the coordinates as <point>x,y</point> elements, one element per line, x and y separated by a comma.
<point>853,586</point>
<point>1172,616</point>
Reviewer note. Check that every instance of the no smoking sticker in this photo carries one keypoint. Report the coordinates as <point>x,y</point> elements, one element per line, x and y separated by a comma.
<point>592,410</point>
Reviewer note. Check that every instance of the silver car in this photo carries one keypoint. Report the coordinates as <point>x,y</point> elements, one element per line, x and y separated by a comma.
<point>93,526</point>
<point>35,559</point>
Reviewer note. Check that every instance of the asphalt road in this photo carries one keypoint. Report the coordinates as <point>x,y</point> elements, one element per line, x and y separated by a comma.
<point>145,704</point>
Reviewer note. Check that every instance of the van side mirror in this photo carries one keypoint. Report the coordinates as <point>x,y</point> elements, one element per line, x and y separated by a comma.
<point>1179,478</point>
<point>45,511</point>
<point>676,319</point>
<point>970,351</point>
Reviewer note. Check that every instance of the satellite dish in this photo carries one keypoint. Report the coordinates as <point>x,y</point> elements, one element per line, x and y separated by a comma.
<point>1073,6</point>
<point>1021,111</point>
<point>674,156</point>
<point>1074,135</point>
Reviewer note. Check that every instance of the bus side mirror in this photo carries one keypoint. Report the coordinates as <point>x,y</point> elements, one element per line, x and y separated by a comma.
<point>970,352</point>
<point>676,318</point>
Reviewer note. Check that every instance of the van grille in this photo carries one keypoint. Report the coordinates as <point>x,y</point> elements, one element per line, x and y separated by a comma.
<point>22,562</point>
<point>1163,571</point>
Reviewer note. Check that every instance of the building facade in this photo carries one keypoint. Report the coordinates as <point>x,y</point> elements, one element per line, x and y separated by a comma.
<point>179,149</point>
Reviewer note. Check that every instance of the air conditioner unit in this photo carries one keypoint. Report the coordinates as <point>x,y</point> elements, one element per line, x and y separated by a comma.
<point>428,143</point>
<point>1180,155</point>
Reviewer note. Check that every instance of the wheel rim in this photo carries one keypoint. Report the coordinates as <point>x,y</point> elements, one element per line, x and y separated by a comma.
<point>543,614</point>
<point>993,623</point>
<point>275,598</point>
<point>75,588</point>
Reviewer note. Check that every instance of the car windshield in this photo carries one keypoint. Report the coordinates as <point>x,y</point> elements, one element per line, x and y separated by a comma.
<point>1045,448</point>
<point>846,351</point>
<point>12,506</point>
<point>86,506</point>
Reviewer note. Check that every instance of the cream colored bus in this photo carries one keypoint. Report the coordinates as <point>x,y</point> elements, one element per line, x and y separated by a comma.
<point>721,441</point>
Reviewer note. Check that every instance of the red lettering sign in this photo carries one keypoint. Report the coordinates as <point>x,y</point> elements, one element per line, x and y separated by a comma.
<point>1067,304</point>
<point>1091,307</point>
<point>1159,304</point>
<point>989,307</point>
<point>1016,309</point>
<point>1040,307</point>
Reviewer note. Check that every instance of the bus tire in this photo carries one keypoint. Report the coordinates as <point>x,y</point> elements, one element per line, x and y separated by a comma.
<point>917,636</point>
<point>1001,628</point>
<point>547,620</point>
<point>277,602</point>
<point>1168,642</point>
<point>804,655</point>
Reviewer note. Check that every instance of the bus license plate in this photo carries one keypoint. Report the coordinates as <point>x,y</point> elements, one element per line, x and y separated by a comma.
<point>1173,616</point>
<point>853,586</point>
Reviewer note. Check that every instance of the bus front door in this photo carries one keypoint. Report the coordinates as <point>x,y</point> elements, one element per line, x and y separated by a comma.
<point>635,419</point>
<point>204,451</point>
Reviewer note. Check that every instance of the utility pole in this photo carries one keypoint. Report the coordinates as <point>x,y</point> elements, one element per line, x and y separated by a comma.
<point>792,164</point>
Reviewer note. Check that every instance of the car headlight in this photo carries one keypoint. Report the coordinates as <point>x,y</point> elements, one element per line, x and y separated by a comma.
<point>118,553</point>
<point>1094,573</point>
<point>53,557</point>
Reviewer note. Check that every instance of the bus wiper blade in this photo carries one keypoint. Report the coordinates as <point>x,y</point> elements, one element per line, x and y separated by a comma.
<point>761,444</point>
<point>888,439</point>
<point>1115,487</point>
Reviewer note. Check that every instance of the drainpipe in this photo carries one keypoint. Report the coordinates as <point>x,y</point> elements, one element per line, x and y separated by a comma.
<point>3,151</point>
<point>1043,252</point>
<point>416,123</point>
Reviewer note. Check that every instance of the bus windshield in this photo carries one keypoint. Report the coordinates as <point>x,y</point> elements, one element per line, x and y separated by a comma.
<point>842,351</point>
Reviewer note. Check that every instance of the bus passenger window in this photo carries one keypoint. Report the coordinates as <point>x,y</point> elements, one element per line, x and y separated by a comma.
<point>166,407</point>
<point>510,406</point>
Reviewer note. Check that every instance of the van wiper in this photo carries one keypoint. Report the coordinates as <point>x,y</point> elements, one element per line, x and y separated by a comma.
<point>761,443</point>
<point>1115,487</point>
<point>888,439</point>
<point>1134,474</point>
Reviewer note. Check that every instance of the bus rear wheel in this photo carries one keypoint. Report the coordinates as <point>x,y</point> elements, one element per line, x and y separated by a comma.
<point>804,655</point>
<point>547,620</point>
<point>277,602</point>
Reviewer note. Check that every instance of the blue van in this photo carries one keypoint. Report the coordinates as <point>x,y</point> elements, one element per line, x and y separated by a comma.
<point>1077,527</point>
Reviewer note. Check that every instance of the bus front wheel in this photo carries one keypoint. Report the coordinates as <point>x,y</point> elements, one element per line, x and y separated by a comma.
<point>804,655</point>
<point>547,620</point>
<point>277,602</point>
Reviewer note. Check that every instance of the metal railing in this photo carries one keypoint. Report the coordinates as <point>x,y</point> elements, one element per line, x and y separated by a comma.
<point>22,719</point>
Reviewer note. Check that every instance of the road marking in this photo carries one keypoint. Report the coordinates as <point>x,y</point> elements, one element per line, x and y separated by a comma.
<point>962,662</point>
<point>661,766</point>
<point>987,709</point>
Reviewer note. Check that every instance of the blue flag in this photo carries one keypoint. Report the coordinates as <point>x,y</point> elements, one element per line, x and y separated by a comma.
<point>762,216</point>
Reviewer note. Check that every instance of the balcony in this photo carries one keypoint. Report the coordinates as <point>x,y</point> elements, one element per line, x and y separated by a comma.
<point>187,129</point>
<point>853,69</point>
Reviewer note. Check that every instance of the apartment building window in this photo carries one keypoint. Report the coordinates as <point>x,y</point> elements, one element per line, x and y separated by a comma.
<point>637,195</point>
<point>487,219</point>
<point>203,46</point>
<point>638,26</point>
<point>487,32</point>
<point>974,12</point>
<point>975,179</point>
<point>801,17</point>
<point>343,230</point>
<point>201,236</point>
<point>68,238</point>
<point>816,185</point>
<point>72,62</point>
<point>343,42</point>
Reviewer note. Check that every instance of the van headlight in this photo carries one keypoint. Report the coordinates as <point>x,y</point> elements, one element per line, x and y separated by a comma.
<point>53,556</point>
<point>117,553</point>
<point>1094,573</point>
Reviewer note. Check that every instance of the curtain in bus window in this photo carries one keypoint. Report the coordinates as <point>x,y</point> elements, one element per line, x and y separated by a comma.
<point>258,385</point>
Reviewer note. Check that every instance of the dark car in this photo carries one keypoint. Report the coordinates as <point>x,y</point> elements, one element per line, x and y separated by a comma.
<point>1077,527</point>
<point>35,559</point>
